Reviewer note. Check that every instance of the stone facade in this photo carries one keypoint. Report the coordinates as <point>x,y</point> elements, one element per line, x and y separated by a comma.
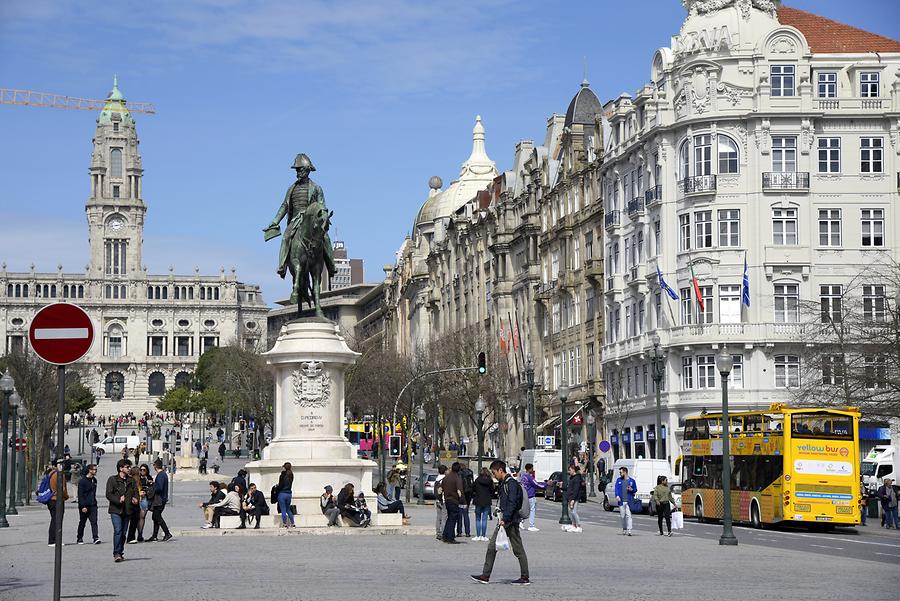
<point>764,136</point>
<point>150,330</point>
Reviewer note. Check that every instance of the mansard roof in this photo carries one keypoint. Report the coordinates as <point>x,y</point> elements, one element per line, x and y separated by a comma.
<point>826,36</point>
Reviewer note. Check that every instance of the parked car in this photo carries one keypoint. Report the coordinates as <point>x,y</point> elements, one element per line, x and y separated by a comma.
<point>115,444</point>
<point>430,479</point>
<point>555,491</point>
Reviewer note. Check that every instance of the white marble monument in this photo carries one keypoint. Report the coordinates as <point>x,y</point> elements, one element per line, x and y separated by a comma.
<point>309,360</point>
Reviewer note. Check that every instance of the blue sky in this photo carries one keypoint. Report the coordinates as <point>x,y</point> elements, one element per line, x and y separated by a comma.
<point>381,95</point>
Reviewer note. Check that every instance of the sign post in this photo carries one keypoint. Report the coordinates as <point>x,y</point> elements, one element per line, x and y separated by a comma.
<point>60,334</point>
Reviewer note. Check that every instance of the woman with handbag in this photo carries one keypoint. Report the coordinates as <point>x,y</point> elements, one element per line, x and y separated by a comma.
<point>665,502</point>
<point>285,485</point>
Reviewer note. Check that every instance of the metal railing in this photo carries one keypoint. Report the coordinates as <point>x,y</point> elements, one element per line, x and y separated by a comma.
<point>612,218</point>
<point>635,206</point>
<point>786,180</point>
<point>653,196</point>
<point>699,184</point>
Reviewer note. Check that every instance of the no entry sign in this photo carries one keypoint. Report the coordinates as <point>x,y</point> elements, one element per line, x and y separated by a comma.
<point>61,333</point>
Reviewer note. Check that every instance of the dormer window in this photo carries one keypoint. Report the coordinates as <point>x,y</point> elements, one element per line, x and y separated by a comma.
<point>868,84</point>
<point>782,80</point>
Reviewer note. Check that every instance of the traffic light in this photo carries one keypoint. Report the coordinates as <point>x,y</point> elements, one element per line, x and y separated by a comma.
<point>482,363</point>
<point>395,446</point>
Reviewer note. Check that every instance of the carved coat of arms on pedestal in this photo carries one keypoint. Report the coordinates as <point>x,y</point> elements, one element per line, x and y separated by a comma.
<point>312,385</point>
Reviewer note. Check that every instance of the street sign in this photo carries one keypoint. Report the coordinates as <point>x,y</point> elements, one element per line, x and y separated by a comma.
<point>604,446</point>
<point>546,441</point>
<point>21,444</point>
<point>61,333</point>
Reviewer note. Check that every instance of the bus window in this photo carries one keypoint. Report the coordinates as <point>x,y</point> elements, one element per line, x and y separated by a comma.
<point>692,429</point>
<point>713,427</point>
<point>737,425</point>
<point>753,423</point>
<point>773,423</point>
<point>821,425</point>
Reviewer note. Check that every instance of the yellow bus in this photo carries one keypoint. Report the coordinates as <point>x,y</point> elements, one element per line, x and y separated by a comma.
<point>788,464</point>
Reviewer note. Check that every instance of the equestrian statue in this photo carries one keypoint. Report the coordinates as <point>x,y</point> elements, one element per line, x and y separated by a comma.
<point>306,249</point>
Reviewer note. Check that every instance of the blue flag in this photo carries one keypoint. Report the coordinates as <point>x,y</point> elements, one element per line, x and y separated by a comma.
<point>665,287</point>
<point>745,285</point>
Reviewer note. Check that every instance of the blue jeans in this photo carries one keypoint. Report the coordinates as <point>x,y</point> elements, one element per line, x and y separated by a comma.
<point>463,522</point>
<point>284,506</point>
<point>120,529</point>
<point>891,517</point>
<point>481,520</point>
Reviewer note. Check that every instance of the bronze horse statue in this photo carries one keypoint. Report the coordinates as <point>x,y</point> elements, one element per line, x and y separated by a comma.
<point>308,257</point>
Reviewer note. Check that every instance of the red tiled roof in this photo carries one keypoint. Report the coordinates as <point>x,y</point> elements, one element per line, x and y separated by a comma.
<point>831,37</point>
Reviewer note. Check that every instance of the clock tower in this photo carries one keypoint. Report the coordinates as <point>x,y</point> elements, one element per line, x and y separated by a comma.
<point>115,209</point>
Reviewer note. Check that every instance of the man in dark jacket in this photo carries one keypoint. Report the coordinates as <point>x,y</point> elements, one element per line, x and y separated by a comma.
<point>240,480</point>
<point>468,489</point>
<point>888,497</point>
<point>254,505</point>
<point>123,500</point>
<point>87,504</point>
<point>453,498</point>
<point>215,496</point>
<point>158,504</point>
<point>511,499</point>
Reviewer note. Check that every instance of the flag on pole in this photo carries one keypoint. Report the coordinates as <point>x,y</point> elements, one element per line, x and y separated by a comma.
<point>745,284</point>
<point>504,347</point>
<point>697,290</point>
<point>665,287</point>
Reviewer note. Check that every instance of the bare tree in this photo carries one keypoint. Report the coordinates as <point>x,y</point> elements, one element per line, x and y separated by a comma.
<point>850,344</point>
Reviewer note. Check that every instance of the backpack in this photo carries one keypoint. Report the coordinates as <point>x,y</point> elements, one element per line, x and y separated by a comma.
<point>44,492</point>
<point>523,508</point>
<point>468,479</point>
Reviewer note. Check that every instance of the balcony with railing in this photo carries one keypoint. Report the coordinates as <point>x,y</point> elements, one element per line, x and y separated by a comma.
<point>653,196</point>
<point>636,207</point>
<point>699,184</point>
<point>797,181</point>
<point>851,104</point>
<point>612,219</point>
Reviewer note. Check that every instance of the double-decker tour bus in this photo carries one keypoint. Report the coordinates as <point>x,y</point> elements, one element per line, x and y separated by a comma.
<point>788,464</point>
<point>364,434</point>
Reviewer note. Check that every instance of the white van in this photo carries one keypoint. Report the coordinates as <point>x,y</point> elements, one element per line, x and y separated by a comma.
<point>115,444</point>
<point>545,461</point>
<point>878,465</point>
<point>644,472</point>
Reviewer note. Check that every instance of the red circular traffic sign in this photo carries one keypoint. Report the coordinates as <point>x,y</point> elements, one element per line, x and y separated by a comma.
<point>61,333</point>
<point>21,444</point>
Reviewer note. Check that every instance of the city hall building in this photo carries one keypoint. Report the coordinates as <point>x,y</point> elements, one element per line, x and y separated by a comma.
<point>150,330</point>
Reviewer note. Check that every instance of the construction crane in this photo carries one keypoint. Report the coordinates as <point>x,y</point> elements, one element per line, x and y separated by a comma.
<point>59,101</point>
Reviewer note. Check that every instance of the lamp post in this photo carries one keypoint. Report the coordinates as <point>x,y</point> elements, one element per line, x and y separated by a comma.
<point>529,378</point>
<point>724,363</point>
<point>7,385</point>
<point>658,371</point>
<point>563,392</point>
<point>420,415</point>
<point>592,440</point>
<point>479,410</point>
<point>21,497</point>
<point>14,401</point>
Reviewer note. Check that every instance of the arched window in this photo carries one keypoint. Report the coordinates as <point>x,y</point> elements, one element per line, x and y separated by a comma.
<point>684,160</point>
<point>216,292</point>
<point>156,384</point>
<point>115,341</point>
<point>728,155</point>
<point>115,162</point>
<point>182,379</point>
<point>81,292</point>
<point>9,290</point>
<point>66,291</point>
<point>115,385</point>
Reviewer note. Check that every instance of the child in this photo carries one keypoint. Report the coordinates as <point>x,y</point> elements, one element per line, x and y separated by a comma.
<point>365,514</point>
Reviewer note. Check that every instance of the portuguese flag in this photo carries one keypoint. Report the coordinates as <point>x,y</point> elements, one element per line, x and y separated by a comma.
<point>697,294</point>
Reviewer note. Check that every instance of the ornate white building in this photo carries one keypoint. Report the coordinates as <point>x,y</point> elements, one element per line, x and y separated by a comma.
<point>764,133</point>
<point>150,329</point>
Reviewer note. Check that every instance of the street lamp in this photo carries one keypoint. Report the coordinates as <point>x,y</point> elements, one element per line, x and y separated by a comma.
<point>7,385</point>
<point>563,392</point>
<point>592,440</point>
<point>658,371</point>
<point>529,378</point>
<point>479,409</point>
<point>14,401</point>
<point>420,416</point>
<point>724,363</point>
<point>22,498</point>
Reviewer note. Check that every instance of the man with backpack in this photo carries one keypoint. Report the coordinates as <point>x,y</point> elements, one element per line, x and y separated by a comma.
<point>468,489</point>
<point>512,506</point>
<point>46,494</point>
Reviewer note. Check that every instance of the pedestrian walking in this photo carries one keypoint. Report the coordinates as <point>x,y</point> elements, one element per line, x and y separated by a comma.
<point>142,481</point>
<point>468,489</point>
<point>56,483</point>
<point>122,497</point>
<point>531,485</point>
<point>159,498</point>
<point>511,500</point>
<point>285,486</point>
<point>483,498</point>
<point>888,497</point>
<point>440,518</point>
<point>625,489</point>
<point>222,452</point>
<point>453,496</point>
<point>573,496</point>
<point>662,496</point>
<point>87,504</point>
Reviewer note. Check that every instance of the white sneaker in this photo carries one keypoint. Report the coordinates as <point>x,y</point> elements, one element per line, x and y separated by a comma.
<point>565,528</point>
<point>569,528</point>
<point>576,529</point>
<point>533,529</point>
<point>207,525</point>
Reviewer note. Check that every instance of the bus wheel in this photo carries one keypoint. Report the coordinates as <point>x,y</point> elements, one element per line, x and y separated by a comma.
<point>698,510</point>
<point>755,521</point>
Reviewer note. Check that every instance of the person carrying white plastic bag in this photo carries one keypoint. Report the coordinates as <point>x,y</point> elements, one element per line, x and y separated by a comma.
<point>502,543</point>
<point>677,520</point>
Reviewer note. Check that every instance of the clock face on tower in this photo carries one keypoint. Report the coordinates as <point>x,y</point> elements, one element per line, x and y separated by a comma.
<point>116,224</point>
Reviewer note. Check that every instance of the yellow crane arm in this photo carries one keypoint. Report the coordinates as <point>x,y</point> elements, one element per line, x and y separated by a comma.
<point>59,101</point>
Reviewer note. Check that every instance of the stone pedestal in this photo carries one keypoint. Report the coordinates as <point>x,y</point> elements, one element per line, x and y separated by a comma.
<point>309,360</point>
